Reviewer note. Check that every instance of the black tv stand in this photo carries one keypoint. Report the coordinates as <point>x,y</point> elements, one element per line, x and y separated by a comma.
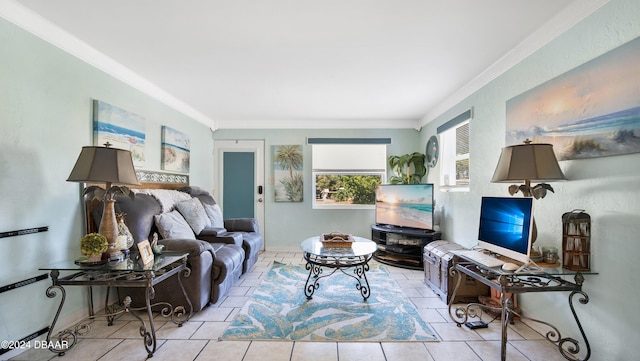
<point>401,246</point>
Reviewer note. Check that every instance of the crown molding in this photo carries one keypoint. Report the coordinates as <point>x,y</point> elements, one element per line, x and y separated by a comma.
<point>563,21</point>
<point>320,124</point>
<point>26,19</point>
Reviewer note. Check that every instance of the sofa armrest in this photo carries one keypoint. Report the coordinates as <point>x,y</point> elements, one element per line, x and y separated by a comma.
<point>223,237</point>
<point>212,232</point>
<point>194,247</point>
<point>242,225</point>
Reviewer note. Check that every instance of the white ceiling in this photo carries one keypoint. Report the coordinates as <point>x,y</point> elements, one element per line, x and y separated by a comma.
<point>302,63</point>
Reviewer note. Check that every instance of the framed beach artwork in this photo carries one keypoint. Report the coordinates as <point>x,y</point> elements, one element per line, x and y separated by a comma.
<point>120,128</point>
<point>288,175</point>
<point>175,150</point>
<point>590,111</point>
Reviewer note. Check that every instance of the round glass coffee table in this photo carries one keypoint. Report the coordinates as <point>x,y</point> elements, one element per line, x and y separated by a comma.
<point>318,257</point>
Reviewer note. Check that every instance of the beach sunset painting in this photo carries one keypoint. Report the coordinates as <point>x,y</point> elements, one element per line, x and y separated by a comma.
<point>122,129</point>
<point>590,111</point>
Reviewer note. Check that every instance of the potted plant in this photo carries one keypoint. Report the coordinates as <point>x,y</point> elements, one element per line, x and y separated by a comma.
<point>408,168</point>
<point>92,245</point>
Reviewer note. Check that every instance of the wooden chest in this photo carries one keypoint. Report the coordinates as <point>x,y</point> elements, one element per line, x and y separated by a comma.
<point>437,259</point>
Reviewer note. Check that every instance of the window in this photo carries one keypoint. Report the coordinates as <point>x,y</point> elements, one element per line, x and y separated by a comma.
<point>346,175</point>
<point>454,145</point>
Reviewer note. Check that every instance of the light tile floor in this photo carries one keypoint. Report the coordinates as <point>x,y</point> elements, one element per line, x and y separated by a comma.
<point>198,339</point>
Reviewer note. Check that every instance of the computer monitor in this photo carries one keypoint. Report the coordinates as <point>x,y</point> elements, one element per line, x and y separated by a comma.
<point>506,225</point>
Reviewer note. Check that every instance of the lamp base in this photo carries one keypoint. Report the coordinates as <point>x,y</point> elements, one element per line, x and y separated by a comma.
<point>535,255</point>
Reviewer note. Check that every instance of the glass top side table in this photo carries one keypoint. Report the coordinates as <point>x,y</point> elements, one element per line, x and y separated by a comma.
<point>128,273</point>
<point>510,283</point>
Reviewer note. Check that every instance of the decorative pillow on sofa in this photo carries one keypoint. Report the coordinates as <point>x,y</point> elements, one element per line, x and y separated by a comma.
<point>194,213</point>
<point>215,215</point>
<point>172,225</point>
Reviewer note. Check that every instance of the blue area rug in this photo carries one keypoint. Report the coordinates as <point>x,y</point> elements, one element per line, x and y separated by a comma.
<point>279,310</point>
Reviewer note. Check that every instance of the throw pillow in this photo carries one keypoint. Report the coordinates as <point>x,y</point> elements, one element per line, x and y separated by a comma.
<point>194,213</point>
<point>172,225</point>
<point>215,215</point>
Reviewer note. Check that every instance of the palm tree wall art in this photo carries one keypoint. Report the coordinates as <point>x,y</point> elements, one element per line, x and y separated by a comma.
<point>288,175</point>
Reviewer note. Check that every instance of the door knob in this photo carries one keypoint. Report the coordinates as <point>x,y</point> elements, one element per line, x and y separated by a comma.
<point>260,200</point>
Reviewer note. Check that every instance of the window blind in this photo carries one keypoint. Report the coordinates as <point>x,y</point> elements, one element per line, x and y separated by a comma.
<point>455,121</point>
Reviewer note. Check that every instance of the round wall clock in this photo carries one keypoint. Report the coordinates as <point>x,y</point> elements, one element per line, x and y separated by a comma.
<point>432,151</point>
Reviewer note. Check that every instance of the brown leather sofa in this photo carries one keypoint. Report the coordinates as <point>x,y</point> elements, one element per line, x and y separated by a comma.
<point>216,258</point>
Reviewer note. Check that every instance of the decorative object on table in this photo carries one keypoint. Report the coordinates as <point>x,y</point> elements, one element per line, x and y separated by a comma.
<point>288,173</point>
<point>401,165</point>
<point>92,246</point>
<point>550,255</point>
<point>590,111</point>
<point>155,247</point>
<point>336,240</point>
<point>432,151</point>
<point>576,240</point>
<point>121,244</point>
<point>175,150</point>
<point>146,254</point>
<point>528,162</point>
<point>123,231</point>
<point>111,166</point>
<point>123,129</point>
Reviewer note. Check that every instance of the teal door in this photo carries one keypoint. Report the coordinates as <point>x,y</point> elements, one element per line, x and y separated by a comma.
<point>239,190</point>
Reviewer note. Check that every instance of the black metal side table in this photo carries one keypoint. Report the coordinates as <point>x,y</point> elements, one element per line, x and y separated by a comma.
<point>510,283</point>
<point>127,273</point>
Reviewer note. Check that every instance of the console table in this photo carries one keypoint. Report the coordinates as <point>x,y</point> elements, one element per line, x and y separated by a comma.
<point>127,273</point>
<point>509,283</point>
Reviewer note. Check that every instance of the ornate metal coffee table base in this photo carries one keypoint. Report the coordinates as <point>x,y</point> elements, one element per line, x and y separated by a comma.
<point>356,257</point>
<point>315,274</point>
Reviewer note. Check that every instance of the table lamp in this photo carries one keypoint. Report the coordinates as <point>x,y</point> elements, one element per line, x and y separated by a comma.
<point>528,162</point>
<point>110,166</point>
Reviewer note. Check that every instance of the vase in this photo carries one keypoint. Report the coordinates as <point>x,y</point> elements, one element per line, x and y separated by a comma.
<point>109,225</point>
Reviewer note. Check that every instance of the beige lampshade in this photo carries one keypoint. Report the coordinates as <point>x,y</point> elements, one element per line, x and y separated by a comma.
<point>105,165</point>
<point>528,161</point>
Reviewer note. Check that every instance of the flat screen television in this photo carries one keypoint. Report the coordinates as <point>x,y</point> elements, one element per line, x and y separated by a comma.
<point>405,205</point>
<point>505,226</point>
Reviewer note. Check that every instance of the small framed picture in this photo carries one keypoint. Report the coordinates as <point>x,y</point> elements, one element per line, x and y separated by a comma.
<point>145,251</point>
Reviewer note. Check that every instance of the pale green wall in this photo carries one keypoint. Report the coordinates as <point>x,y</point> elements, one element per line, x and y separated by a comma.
<point>607,188</point>
<point>45,119</point>
<point>287,224</point>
